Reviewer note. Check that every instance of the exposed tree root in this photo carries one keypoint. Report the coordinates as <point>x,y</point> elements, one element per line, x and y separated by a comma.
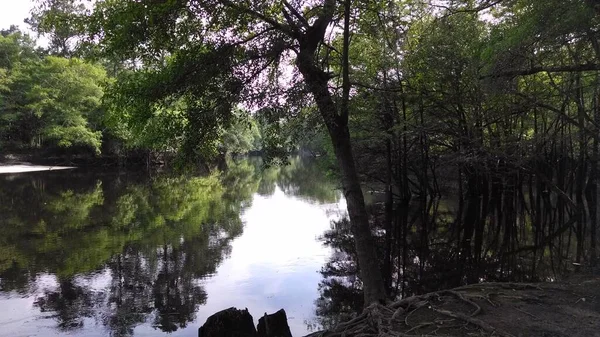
<point>477,322</point>
<point>393,320</point>
<point>501,285</point>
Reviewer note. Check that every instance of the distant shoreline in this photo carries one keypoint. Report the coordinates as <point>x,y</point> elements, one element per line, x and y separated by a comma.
<point>23,168</point>
<point>42,161</point>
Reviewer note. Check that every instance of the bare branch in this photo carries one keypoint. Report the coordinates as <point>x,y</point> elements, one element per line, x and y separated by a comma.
<point>291,22</point>
<point>296,14</point>
<point>561,112</point>
<point>253,37</point>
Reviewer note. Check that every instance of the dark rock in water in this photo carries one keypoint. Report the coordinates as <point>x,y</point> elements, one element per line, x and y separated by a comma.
<point>274,325</point>
<point>229,323</point>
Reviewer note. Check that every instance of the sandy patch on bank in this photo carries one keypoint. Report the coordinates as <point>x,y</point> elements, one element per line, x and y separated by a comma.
<point>4,169</point>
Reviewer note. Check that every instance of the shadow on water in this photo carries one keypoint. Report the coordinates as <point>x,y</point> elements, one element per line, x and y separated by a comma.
<point>123,249</point>
<point>505,233</point>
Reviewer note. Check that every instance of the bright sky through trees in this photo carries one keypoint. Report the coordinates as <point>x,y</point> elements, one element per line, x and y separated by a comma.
<point>13,12</point>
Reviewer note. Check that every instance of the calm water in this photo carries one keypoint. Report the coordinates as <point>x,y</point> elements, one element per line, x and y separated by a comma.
<point>97,254</point>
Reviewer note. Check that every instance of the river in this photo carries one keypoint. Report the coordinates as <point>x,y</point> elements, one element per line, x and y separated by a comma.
<point>99,253</point>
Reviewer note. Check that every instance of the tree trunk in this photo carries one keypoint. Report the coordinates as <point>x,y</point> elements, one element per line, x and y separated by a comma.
<point>337,126</point>
<point>335,117</point>
<point>363,239</point>
<point>594,178</point>
<point>389,214</point>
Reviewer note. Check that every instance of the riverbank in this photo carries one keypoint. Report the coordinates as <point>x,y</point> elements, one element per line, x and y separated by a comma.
<point>16,164</point>
<point>43,160</point>
<point>22,168</point>
<point>489,309</point>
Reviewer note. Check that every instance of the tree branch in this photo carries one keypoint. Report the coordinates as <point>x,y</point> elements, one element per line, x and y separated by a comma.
<point>344,111</point>
<point>253,36</point>
<point>477,9</point>
<point>296,14</point>
<point>274,23</point>
<point>535,70</point>
<point>315,33</point>
<point>591,133</point>
<point>291,22</point>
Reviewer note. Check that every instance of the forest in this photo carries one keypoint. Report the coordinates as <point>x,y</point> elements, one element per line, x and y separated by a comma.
<point>54,104</point>
<point>474,123</point>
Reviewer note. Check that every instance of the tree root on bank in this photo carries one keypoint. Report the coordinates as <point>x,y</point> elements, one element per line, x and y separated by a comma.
<point>394,319</point>
<point>501,285</point>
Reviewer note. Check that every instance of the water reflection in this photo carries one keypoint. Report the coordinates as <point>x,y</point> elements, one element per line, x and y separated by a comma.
<point>441,243</point>
<point>126,254</point>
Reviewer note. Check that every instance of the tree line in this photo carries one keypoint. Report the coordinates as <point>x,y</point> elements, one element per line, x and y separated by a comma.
<point>47,99</point>
<point>59,103</point>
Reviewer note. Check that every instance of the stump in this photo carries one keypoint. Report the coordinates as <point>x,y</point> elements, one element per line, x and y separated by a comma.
<point>229,323</point>
<point>274,325</point>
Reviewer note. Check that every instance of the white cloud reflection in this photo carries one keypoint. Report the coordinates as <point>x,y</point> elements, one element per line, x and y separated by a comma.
<point>275,263</point>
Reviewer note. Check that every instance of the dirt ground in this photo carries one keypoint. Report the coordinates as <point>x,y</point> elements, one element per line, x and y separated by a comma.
<point>492,309</point>
<point>544,310</point>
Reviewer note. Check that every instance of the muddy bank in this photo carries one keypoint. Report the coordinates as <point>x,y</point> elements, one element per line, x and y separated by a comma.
<point>490,309</point>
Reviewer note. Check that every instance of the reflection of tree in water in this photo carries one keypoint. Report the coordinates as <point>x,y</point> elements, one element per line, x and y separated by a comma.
<point>149,239</point>
<point>161,283</point>
<point>439,244</point>
<point>175,294</point>
<point>340,290</point>
<point>302,178</point>
<point>129,295</point>
<point>155,238</point>
<point>70,303</point>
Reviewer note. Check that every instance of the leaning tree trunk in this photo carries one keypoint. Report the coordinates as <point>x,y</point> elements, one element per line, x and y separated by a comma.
<point>337,126</point>
<point>335,117</point>
<point>363,239</point>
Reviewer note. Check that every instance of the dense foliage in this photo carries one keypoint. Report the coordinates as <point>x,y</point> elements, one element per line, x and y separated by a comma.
<point>53,103</point>
<point>48,100</point>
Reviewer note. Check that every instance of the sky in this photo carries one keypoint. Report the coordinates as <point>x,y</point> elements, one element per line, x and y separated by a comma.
<point>13,12</point>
